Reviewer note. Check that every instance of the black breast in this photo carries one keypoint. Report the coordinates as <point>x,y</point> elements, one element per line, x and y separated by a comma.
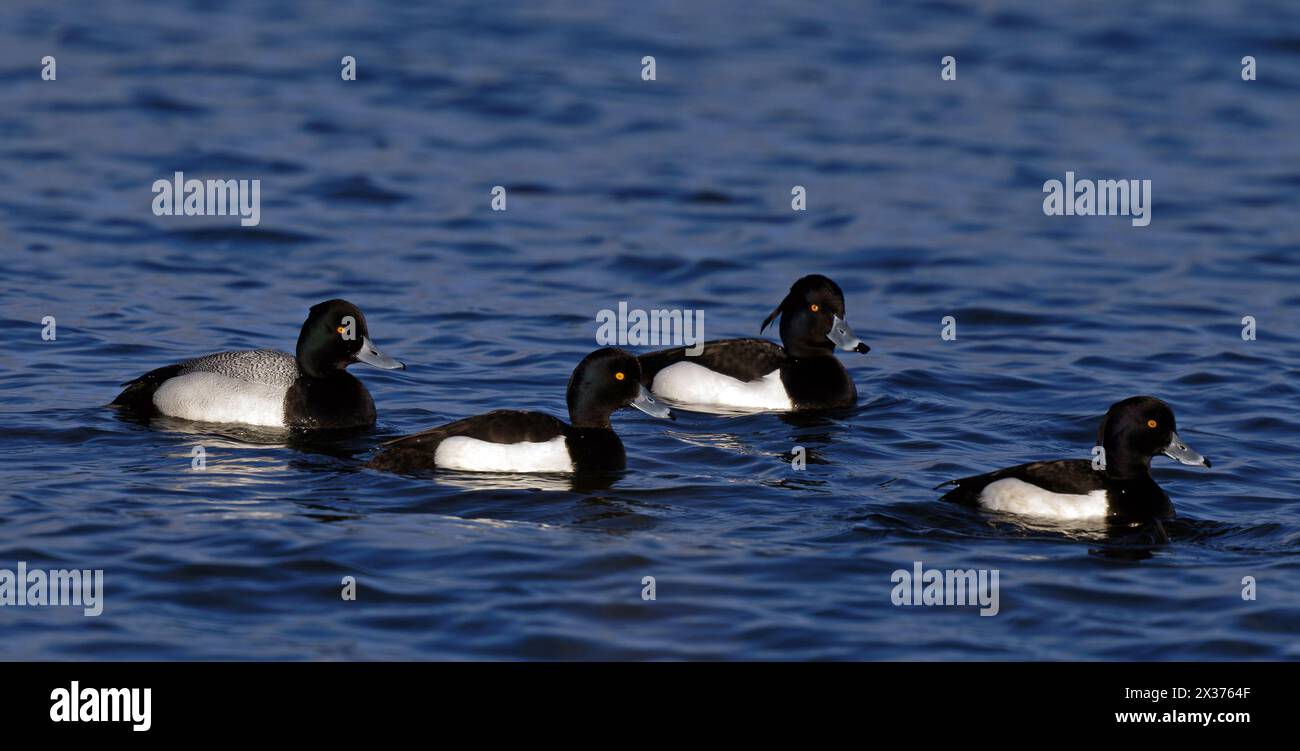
<point>818,383</point>
<point>596,449</point>
<point>339,401</point>
<point>1137,500</point>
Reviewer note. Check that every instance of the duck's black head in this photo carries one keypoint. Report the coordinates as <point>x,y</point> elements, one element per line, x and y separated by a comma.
<point>606,380</point>
<point>1137,429</point>
<point>333,337</point>
<point>813,320</point>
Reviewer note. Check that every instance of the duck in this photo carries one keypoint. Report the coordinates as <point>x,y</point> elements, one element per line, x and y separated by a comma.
<point>802,373</point>
<point>524,441</point>
<point>1115,487</point>
<point>310,389</point>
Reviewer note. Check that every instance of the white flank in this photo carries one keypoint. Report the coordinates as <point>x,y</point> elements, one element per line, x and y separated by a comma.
<point>212,397</point>
<point>1019,497</point>
<point>688,383</point>
<point>473,455</point>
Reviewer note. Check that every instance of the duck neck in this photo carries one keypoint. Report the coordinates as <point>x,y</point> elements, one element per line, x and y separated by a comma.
<point>1124,466</point>
<point>589,418</point>
<point>805,351</point>
<point>309,367</point>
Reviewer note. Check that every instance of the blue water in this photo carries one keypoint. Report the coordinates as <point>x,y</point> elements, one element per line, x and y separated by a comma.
<point>924,201</point>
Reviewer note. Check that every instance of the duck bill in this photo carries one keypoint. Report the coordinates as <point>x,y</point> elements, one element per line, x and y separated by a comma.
<point>844,338</point>
<point>646,402</point>
<point>370,355</point>
<point>1179,451</point>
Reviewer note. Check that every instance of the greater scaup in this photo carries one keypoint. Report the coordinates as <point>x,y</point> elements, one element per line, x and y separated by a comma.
<point>271,388</point>
<point>516,441</point>
<point>755,374</point>
<point>1132,432</point>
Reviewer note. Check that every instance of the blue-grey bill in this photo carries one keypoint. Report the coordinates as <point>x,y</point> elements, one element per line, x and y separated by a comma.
<point>646,402</point>
<point>844,338</point>
<point>1180,452</point>
<point>370,355</point>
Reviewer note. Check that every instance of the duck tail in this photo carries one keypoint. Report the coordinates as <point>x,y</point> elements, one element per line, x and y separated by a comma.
<point>138,393</point>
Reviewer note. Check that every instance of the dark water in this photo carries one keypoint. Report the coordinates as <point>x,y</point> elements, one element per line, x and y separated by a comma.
<point>924,201</point>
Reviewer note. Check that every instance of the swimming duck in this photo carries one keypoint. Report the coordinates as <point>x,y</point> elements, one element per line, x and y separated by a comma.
<point>517,441</point>
<point>310,389</point>
<point>802,373</point>
<point>1122,491</point>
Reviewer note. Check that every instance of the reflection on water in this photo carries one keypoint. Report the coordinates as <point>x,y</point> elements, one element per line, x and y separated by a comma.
<point>585,482</point>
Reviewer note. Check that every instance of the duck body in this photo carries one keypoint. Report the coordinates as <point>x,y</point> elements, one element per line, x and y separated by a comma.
<point>506,441</point>
<point>1069,489</point>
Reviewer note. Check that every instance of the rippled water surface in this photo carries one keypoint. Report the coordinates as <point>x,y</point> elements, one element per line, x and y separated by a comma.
<point>924,201</point>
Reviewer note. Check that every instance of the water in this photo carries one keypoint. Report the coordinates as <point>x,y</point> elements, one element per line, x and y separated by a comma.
<point>924,201</point>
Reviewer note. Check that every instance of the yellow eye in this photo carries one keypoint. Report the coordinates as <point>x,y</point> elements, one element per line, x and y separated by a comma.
<point>340,329</point>
<point>814,307</point>
<point>619,375</point>
<point>1151,423</point>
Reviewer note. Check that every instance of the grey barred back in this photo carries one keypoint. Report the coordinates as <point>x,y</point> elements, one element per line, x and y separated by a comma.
<point>268,366</point>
